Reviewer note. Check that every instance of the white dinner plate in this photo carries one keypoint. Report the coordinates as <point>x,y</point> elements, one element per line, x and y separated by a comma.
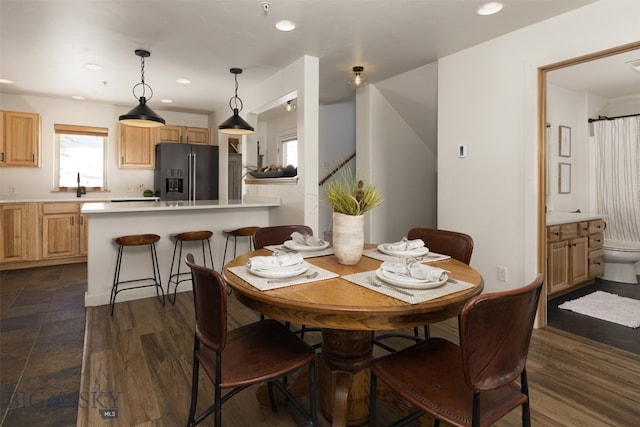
<point>408,282</point>
<point>405,254</point>
<point>295,246</point>
<point>282,272</point>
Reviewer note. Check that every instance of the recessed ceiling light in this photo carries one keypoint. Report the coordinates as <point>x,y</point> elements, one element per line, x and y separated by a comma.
<point>78,97</point>
<point>166,101</point>
<point>183,81</point>
<point>490,8</point>
<point>93,67</point>
<point>285,25</point>
<point>7,81</point>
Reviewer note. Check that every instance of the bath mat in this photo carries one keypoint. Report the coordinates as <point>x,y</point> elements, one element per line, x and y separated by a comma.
<point>605,306</point>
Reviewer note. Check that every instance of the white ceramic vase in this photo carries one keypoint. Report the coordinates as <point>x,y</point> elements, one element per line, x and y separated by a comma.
<point>348,238</point>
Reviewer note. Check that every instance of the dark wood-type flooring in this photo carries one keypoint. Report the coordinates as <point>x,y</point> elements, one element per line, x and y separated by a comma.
<point>141,360</point>
<point>595,329</point>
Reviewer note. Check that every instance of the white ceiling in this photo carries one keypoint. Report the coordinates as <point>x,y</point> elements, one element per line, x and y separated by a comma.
<point>45,44</point>
<point>612,77</point>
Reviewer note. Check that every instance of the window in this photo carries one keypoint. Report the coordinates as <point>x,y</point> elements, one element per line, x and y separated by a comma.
<point>81,150</point>
<point>289,150</point>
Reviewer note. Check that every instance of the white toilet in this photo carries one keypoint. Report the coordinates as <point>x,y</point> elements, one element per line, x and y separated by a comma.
<point>621,261</point>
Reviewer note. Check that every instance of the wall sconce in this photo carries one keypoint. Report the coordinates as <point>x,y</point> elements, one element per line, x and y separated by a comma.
<point>236,125</point>
<point>142,115</point>
<point>359,78</point>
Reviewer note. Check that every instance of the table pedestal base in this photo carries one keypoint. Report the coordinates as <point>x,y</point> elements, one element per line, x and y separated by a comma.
<point>344,376</point>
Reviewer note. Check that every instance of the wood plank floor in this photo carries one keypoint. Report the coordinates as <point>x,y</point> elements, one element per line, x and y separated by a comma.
<point>139,363</point>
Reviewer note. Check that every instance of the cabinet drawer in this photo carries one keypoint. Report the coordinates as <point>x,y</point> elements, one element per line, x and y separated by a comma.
<point>553,233</point>
<point>58,208</point>
<point>569,231</point>
<point>583,228</point>
<point>596,240</point>
<point>596,263</point>
<point>596,226</point>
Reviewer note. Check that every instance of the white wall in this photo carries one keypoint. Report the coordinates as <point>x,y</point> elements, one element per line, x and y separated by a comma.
<point>40,181</point>
<point>393,157</point>
<point>487,98</point>
<point>568,108</point>
<point>299,202</point>
<point>337,135</point>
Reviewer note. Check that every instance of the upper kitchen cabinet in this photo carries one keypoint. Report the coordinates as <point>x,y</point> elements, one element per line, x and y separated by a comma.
<point>185,135</point>
<point>136,147</point>
<point>20,139</point>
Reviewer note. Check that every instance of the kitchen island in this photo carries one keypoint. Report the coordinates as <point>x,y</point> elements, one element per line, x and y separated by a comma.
<point>164,218</point>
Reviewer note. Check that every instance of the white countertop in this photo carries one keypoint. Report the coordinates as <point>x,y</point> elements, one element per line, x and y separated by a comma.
<point>556,218</point>
<point>158,206</point>
<point>71,197</point>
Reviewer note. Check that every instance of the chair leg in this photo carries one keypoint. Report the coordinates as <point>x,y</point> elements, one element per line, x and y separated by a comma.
<point>194,386</point>
<point>272,399</point>
<point>427,333</point>
<point>116,279</point>
<point>524,387</point>
<point>156,273</point>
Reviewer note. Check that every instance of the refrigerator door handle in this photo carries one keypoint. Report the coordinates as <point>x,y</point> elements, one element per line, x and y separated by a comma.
<point>193,159</point>
<point>189,183</point>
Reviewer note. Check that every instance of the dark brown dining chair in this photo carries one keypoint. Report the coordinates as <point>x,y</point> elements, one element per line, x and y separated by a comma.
<point>264,351</point>
<point>276,235</point>
<point>458,246</point>
<point>472,384</point>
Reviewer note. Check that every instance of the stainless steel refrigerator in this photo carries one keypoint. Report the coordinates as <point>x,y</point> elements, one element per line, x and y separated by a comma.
<point>186,172</point>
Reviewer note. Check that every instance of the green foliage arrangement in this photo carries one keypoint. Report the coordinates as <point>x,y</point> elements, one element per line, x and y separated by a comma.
<point>350,196</point>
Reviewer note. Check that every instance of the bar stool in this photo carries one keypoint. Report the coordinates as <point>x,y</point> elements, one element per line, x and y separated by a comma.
<point>235,233</point>
<point>179,238</point>
<point>137,240</point>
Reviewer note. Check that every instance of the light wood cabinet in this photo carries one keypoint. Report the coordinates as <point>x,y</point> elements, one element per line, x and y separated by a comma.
<point>136,147</point>
<point>574,254</point>
<point>185,134</point>
<point>20,139</point>
<point>64,232</point>
<point>20,232</point>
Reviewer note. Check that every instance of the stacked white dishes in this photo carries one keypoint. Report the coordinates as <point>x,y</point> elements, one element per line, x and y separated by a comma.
<point>405,248</point>
<point>277,266</point>
<point>302,242</point>
<point>412,276</point>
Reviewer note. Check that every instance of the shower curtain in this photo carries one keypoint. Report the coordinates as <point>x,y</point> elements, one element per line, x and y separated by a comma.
<point>617,162</point>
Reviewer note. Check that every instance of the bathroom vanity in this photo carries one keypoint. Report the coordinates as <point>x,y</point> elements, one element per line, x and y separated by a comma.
<point>575,256</point>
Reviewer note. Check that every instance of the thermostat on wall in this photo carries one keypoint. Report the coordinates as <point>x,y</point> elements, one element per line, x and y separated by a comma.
<point>462,151</point>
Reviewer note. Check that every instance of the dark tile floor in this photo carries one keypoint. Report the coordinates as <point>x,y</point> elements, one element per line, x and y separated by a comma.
<point>595,329</point>
<point>42,321</point>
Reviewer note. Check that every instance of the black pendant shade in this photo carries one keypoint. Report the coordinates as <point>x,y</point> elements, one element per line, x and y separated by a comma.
<point>141,115</point>
<point>236,125</point>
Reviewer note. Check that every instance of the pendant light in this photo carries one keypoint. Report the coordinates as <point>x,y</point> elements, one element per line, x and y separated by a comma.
<point>142,115</point>
<point>235,125</point>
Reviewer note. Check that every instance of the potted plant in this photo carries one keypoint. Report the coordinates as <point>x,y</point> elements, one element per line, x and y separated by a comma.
<point>349,199</point>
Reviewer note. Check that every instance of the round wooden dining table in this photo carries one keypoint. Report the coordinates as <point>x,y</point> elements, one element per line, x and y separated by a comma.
<point>348,315</point>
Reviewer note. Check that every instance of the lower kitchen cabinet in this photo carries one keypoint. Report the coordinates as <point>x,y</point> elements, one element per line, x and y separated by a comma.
<point>63,230</point>
<point>20,232</point>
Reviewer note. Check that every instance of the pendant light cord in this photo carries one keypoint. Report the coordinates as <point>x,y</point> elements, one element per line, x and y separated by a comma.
<point>235,97</point>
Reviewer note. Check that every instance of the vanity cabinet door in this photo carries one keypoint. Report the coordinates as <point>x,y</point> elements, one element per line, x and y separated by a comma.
<point>579,254</point>
<point>557,266</point>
